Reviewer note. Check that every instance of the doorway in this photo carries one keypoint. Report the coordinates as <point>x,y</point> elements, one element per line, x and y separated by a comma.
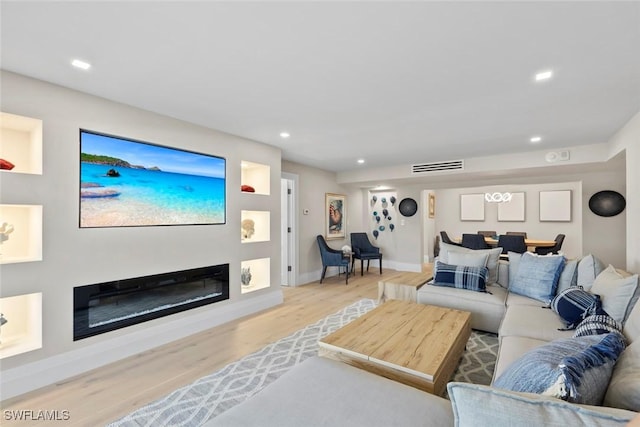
<point>288,233</point>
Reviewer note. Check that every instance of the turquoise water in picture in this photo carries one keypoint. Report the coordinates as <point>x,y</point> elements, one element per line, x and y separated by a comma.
<point>148,197</point>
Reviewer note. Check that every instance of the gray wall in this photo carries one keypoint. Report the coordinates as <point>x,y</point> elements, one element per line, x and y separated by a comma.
<point>627,141</point>
<point>74,256</point>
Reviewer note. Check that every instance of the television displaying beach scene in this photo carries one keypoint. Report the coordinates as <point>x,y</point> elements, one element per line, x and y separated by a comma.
<point>127,183</point>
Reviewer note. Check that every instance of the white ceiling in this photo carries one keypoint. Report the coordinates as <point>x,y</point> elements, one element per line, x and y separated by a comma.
<point>390,82</point>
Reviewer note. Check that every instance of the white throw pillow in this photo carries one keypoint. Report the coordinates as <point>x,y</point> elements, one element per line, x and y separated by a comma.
<point>468,259</point>
<point>616,288</point>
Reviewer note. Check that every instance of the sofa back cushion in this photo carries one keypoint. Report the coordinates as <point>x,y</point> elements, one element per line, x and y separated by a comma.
<point>492,260</point>
<point>624,387</point>
<point>588,269</point>
<point>632,324</point>
<point>616,289</point>
<point>537,276</point>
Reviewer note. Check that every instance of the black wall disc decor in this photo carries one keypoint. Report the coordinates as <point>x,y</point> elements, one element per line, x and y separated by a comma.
<point>408,207</point>
<point>607,203</point>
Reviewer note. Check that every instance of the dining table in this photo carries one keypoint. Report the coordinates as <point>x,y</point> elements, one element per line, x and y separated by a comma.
<point>531,243</point>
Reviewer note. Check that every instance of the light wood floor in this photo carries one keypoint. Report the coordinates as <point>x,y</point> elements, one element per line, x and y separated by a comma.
<point>108,393</point>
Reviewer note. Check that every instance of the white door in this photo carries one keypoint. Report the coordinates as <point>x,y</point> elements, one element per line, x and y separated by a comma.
<point>288,231</point>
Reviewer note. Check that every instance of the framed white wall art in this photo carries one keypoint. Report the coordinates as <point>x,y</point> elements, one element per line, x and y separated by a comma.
<point>555,205</point>
<point>512,210</point>
<point>472,207</point>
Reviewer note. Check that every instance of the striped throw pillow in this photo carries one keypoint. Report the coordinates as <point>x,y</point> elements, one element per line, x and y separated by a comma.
<point>461,277</point>
<point>574,304</point>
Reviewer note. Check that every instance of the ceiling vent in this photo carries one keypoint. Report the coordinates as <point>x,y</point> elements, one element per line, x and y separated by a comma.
<point>437,167</point>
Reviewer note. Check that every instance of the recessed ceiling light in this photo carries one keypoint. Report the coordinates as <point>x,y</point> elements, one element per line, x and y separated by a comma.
<point>80,64</point>
<point>361,161</point>
<point>544,75</point>
<point>535,139</point>
<point>284,135</point>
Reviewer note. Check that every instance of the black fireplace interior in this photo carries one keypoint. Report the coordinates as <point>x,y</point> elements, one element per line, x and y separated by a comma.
<point>104,307</point>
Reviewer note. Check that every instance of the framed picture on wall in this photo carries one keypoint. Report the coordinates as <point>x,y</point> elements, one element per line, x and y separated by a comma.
<point>555,205</point>
<point>432,205</point>
<point>512,210</point>
<point>472,207</point>
<point>335,213</point>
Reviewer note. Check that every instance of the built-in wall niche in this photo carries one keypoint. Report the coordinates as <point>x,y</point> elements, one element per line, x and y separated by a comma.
<point>21,233</point>
<point>255,226</point>
<point>20,144</point>
<point>256,176</point>
<point>255,274</point>
<point>22,331</point>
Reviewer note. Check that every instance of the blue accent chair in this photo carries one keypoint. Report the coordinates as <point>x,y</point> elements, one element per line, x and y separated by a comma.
<point>364,250</point>
<point>332,258</point>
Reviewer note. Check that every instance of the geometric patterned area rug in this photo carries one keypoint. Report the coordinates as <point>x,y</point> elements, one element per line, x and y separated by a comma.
<point>194,404</point>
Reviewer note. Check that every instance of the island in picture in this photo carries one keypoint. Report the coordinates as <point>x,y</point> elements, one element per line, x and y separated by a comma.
<point>126,183</point>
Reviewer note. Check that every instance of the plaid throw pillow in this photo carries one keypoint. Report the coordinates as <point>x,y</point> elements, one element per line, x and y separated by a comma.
<point>459,276</point>
<point>574,304</point>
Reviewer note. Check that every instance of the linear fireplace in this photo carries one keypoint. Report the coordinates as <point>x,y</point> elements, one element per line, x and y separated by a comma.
<point>104,307</point>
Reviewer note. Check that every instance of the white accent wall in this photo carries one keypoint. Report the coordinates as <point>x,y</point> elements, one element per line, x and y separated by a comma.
<point>75,257</point>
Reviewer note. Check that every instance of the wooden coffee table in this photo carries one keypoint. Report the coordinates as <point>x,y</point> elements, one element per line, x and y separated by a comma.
<point>402,286</point>
<point>416,344</point>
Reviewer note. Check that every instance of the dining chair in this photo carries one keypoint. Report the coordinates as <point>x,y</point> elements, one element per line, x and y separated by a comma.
<point>364,250</point>
<point>517,233</point>
<point>511,243</point>
<point>474,241</point>
<point>488,233</point>
<point>554,249</point>
<point>332,258</point>
<point>445,239</point>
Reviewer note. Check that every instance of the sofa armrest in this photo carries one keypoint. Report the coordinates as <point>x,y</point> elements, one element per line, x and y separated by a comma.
<point>323,392</point>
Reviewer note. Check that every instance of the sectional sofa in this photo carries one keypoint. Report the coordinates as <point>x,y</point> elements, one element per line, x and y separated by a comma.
<point>321,392</point>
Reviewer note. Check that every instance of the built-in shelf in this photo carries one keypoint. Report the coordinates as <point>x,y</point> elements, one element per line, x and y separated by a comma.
<point>21,143</point>
<point>261,226</point>
<point>260,270</point>
<point>23,330</point>
<point>24,243</point>
<point>257,176</point>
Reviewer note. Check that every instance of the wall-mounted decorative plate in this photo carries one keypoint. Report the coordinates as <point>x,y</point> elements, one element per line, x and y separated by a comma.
<point>408,207</point>
<point>607,203</point>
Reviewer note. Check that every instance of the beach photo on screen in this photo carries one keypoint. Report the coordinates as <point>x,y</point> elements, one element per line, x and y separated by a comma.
<point>128,183</point>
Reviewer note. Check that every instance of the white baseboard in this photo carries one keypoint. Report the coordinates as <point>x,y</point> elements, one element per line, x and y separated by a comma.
<point>394,265</point>
<point>35,375</point>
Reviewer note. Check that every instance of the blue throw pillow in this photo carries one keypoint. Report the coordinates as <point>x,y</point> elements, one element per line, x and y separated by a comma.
<point>537,276</point>
<point>598,324</point>
<point>577,370</point>
<point>462,277</point>
<point>573,305</point>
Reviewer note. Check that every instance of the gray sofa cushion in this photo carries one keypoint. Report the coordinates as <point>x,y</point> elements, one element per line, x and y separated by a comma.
<point>511,349</point>
<point>477,405</point>
<point>533,322</point>
<point>624,387</point>
<point>323,392</point>
<point>487,309</point>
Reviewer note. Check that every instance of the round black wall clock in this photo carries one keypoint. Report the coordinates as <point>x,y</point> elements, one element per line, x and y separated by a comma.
<point>607,203</point>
